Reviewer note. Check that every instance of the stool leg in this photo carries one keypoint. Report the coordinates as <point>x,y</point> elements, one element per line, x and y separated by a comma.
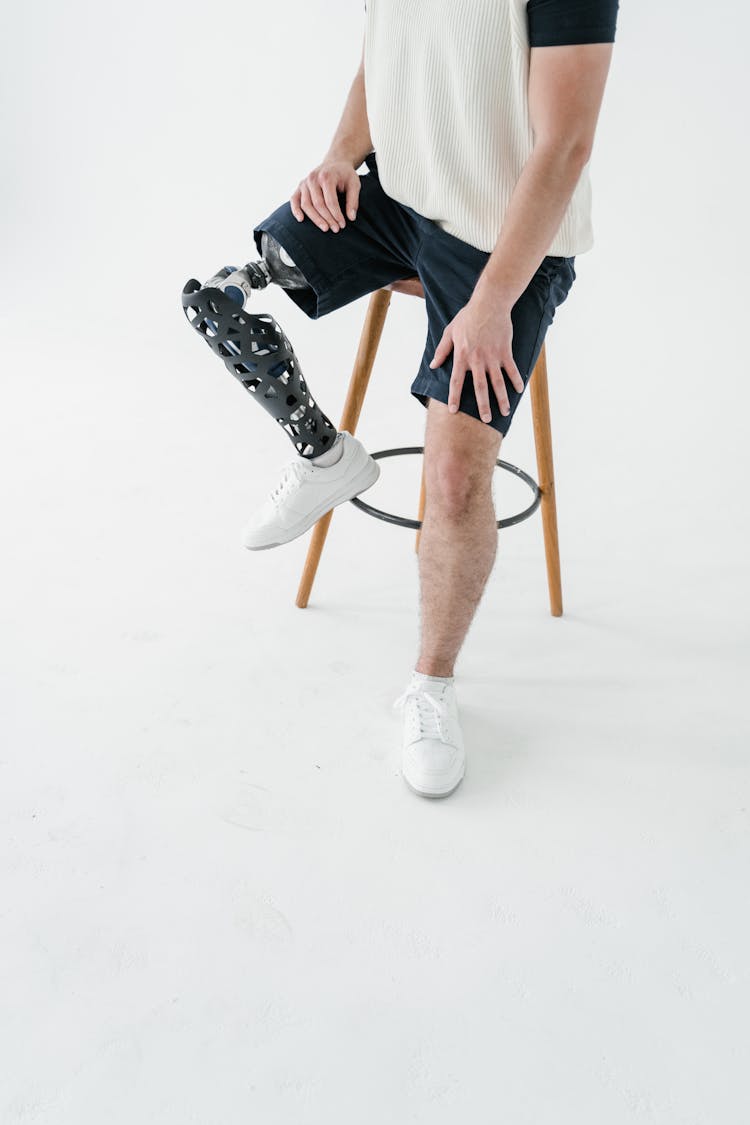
<point>539,389</point>
<point>420,514</point>
<point>368,345</point>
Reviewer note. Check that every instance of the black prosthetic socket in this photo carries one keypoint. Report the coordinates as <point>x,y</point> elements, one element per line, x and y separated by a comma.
<point>256,351</point>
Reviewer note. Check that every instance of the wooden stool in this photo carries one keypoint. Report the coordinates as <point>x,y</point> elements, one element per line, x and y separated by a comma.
<point>544,490</point>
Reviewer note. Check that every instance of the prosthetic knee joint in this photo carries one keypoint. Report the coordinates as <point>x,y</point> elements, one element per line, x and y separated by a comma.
<point>254,348</point>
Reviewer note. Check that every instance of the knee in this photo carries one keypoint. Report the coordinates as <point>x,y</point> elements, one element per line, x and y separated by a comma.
<point>454,483</point>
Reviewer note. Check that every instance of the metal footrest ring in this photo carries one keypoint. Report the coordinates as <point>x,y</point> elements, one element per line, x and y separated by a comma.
<point>403,521</point>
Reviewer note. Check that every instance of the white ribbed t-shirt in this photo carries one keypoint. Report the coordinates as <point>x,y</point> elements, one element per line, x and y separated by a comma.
<point>447,103</point>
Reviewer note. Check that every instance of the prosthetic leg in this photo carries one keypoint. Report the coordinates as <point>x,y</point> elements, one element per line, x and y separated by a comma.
<point>254,348</point>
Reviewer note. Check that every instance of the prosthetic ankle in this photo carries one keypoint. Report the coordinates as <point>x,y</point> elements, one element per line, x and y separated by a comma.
<point>254,348</point>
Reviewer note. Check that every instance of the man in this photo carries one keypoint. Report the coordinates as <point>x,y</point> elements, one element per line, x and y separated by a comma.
<point>476,122</point>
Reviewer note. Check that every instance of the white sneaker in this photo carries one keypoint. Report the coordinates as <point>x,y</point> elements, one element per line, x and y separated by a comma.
<point>305,492</point>
<point>433,759</point>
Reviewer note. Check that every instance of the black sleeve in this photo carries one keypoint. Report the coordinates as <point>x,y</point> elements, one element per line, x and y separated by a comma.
<point>556,23</point>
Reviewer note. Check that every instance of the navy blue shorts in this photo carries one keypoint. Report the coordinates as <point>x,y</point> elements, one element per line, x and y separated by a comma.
<point>389,241</point>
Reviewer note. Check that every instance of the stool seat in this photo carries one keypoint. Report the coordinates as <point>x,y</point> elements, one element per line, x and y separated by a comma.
<point>403,521</point>
<point>544,491</point>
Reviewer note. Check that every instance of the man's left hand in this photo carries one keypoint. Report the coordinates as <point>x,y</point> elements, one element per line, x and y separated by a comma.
<point>481,337</point>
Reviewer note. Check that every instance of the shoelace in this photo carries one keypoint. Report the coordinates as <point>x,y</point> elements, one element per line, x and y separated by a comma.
<point>429,709</point>
<point>290,477</point>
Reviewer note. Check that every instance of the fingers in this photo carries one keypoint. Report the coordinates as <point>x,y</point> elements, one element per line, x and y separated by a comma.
<point>443,350</point>
<point>296,204</point>
<point>481,394</point>
<point>317,196</point>
<point>352,195</point>
<point>306,207</point>
<point>321,216</point>
<point>328,185</point>
<point>514,374</point>
<point>458,375</point>
<point>501,393</point>
<point>463,362</point>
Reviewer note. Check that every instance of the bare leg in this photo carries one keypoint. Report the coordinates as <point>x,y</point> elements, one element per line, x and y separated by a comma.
<point>458,542</point>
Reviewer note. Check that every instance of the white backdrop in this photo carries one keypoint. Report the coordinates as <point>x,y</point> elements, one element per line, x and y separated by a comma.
<point>141,144</point>
<point>151,668</point>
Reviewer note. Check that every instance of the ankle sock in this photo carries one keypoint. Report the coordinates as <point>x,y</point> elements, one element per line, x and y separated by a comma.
<point>332,455</point>
<point>429,682</point>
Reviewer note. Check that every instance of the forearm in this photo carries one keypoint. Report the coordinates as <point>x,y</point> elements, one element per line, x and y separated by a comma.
<point>352,140</point>
<point>531,221</point>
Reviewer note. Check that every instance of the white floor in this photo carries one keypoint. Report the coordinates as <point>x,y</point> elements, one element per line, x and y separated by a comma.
<point>220,901</point>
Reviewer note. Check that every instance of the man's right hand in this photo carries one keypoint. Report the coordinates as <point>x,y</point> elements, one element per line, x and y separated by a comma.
<point>317,196</point>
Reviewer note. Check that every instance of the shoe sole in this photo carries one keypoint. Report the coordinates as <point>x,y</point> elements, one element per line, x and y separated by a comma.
<point>427,793</point>
<point>365,479</point>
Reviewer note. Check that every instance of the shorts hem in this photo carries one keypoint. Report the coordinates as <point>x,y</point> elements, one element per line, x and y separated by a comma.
<point>317,283</point>
<point>423,390</point>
